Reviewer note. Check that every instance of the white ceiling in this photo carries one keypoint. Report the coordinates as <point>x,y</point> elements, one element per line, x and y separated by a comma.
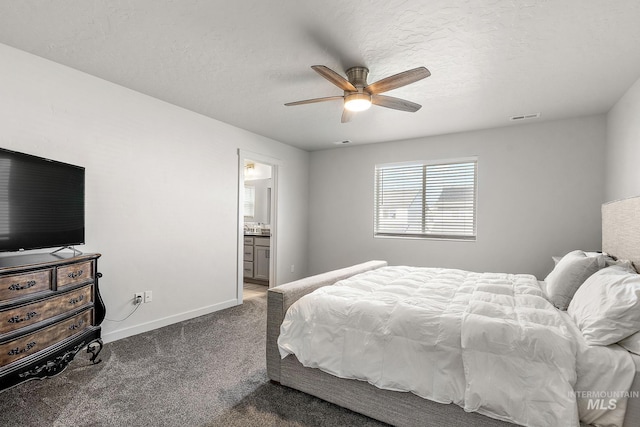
<point>239,61</point>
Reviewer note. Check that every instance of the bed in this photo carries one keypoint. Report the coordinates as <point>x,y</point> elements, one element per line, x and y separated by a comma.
<point>621,240</point>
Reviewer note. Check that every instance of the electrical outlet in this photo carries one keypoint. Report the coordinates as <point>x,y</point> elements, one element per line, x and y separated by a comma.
<point>293,268</point>
<point>138,298</point>
<point>147,296</point>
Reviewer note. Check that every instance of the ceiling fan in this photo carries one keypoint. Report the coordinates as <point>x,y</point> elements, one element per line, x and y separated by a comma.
<point>358,95</point>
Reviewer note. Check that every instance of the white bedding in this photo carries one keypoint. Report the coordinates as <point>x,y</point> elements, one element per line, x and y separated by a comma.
<point>488,342</point>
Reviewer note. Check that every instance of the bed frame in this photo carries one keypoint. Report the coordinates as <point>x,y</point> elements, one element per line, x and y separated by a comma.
<point>620,238</point>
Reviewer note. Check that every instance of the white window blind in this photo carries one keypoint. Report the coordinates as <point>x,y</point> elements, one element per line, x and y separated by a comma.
<point>434,200</point>
<point>249,201</point>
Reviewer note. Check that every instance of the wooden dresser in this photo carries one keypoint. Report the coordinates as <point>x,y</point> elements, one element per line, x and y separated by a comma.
<point>50,309</point>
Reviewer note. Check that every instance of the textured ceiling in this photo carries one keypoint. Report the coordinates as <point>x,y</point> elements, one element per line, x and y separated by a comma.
<point>239,61</point>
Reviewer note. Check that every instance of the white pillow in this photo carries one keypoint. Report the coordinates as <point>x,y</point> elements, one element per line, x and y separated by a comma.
<point>568,274</point>
<point>609,260</point>
<point>622,262</point>
<point>632,343</point>
<point>606,307</point>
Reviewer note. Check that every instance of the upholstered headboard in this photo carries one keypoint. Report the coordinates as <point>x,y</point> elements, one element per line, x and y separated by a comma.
<point>621,229</point>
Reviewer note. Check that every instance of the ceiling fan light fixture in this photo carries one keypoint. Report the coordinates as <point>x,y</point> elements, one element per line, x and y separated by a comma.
<point>357,101</point>
<point>359,95</point>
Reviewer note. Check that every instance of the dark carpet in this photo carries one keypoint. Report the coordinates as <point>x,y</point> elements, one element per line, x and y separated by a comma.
<point>208,371</point>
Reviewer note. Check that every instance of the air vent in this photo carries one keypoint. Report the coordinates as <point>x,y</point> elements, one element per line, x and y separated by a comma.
<point>525,117</point>
<point>346,141</point>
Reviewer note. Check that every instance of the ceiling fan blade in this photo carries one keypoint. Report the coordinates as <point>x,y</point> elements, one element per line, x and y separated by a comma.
<point>311,101</point>
<point>334,78</point>
<point>398,80</point>
<point>395,103</point>
<point>347,115</point>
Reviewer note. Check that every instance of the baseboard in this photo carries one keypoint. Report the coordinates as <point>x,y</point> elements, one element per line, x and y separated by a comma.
<point>166,321</point>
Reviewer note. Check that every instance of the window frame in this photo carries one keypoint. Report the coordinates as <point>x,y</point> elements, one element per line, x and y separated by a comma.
<point>422,235</point>
<point>249,201</point>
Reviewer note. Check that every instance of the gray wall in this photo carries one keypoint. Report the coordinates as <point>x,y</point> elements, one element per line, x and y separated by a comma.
<point>540,187</point>
<point>623,146</point>
<point>161,188</point>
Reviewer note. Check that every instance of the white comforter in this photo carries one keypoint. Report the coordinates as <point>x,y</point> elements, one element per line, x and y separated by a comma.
<point>488,342</point>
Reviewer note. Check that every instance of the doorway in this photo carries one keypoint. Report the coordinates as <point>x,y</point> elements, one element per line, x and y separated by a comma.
<point>257,223</point>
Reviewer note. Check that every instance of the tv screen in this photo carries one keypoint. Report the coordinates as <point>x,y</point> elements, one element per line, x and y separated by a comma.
<point>41,202</point>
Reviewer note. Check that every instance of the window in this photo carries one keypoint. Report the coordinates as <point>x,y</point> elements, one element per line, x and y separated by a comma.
<point>426,199</point>
<point>249,201</point>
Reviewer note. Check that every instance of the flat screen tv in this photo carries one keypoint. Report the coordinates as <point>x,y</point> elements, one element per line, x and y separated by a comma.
<point>41,202</point>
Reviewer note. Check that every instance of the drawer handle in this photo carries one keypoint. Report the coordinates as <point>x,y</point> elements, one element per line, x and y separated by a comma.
<point>19,287</point>
<point>76,326</point>
<point>18,319</point>
<point>75,274</point>
<point>76,300</point>
<point>17,350</point>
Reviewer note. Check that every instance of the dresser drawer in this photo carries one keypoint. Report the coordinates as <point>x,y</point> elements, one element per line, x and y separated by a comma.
<point>248,241</point>
<point>248,253</point>
<point>19,285</point>
<point>40,340</point>
<point>19,317</point>
<point>247,269</point>
<point>74,274</point>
